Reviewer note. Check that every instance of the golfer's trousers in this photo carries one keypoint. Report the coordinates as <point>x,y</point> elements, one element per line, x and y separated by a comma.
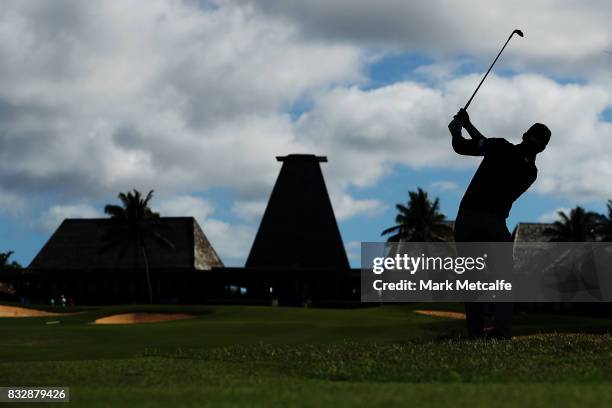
<point>476,226</point>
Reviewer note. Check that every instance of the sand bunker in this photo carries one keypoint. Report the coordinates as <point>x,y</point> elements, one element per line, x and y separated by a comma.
<point>133,318</point>
<point>442,313</point>
<point>15,311</point>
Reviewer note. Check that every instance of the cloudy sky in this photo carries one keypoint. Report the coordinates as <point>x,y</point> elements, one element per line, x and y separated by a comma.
<point>194,99</point>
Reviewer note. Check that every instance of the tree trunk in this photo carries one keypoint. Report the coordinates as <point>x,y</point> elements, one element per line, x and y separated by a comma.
<point>146,262</point>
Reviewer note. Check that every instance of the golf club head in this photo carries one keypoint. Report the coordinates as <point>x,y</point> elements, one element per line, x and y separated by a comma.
<point>519,32</point>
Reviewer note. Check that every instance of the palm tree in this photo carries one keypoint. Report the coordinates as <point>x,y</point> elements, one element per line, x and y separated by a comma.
<point>604,227</point>
<point>579,226</point>
<point>5,265</point>
<point>133,224</point>
<point>419,221</point>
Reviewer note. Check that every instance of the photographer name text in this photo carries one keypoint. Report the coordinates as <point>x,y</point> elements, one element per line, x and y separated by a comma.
<point>434,286</point>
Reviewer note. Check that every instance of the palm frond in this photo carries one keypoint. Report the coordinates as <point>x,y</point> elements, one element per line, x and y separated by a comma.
<point>114,211</point>
<point>162,240</point>
<point>419,219</point>
<point>390,230</point>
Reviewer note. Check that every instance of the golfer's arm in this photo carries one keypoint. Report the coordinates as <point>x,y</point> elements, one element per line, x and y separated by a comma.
<point>466,147</point>
<point>473,132</point>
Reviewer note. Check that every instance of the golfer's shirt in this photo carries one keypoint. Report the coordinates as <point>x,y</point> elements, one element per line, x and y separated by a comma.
<point>504,174</point>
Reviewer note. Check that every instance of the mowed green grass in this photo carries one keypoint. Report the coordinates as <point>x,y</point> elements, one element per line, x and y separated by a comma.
<point>264,356</point>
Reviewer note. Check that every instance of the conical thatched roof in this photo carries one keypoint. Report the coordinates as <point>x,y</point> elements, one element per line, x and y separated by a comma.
<point>299,228</point>
<point>77,246</point>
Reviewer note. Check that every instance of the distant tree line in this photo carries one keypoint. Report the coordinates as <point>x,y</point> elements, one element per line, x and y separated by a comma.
<point>7,291</point>
<point>6,265</point>
<point>581,225</point>
<point>420,220</point>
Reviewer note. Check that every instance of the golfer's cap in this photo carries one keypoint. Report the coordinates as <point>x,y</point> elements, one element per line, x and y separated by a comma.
<point>541,133</point>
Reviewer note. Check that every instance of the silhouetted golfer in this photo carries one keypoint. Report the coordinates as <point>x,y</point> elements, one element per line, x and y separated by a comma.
<point>506,172</point>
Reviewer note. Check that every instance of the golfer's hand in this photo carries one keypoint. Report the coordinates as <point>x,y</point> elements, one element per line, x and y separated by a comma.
<point>463,117</point>
<point>455,126</point>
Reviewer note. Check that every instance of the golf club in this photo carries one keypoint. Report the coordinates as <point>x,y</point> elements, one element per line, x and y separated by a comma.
<point>520,33</point>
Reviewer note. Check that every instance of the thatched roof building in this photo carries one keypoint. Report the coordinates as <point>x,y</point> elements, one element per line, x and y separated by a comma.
<point>530,232</point>
<point>299,229</point>
<point>78,246</point>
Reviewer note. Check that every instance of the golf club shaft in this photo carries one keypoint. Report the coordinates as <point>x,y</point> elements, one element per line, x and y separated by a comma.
<point>489,70</point>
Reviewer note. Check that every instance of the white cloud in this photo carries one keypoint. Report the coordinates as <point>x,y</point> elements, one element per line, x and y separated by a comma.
<point>367,131</point>
<point>54,216</point>
<point>346,206</point>
<point>185,206</point>
<point>552,216</point>
<point>12,204</point>
<point>561,36</point>
<point>232,242</point>
<point>444,185</point>
<point>101,97</point>
<point>353,251</point>
<point>249,210</point>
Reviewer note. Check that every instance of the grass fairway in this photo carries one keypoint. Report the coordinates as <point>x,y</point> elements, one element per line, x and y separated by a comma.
<point>261,356</point>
